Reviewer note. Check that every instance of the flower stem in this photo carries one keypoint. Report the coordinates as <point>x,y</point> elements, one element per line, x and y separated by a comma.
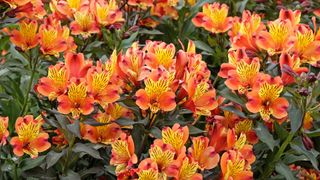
<point>26,97</point>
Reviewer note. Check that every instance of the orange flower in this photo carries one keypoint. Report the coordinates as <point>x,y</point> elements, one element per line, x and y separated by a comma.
<point>76,65</point>
<point>148,170</point>
<point>55,84</point>
<point>204,155</point>
<point>99,84</point>
<point>201,97</point>
<point>4,133</point>
<point>292,16</point>
<point>123,152</point>
<point>307,45</point>
<point>213,18</point>
<point>162,154</point>
<point>176,137</point>
<point>165,8</point>
<point>30,140</point>
<point>143,4</point>
<point>279,37</point>
<point>292,62</point>
<point>107,13</point>
<point>308,121</point>
<point>185,169</point>
<point>157,94</point>
<point>76,101</point>
<point>84,24</point>
<point>246,126</point>
<point>244,76</point>
<point>132,65</point>
<point>53,38</point>
<point>160,54</point>
<point>59,139</point>
<point>105,134</point>
<point>233,166</point>
<point>26,37</point>
<point>266,100</point>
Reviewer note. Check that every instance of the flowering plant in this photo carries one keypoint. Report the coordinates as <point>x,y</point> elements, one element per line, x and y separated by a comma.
<point>155,90</point>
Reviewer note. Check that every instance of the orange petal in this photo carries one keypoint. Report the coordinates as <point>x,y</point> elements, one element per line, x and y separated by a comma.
<point>167,101</point>
<point>65,105</point>
<point>142,99</point>
<point>87,106</point>
<point>17,146</point>
<point>209,158</point>
<point>74,63</point>
<point>254,103</point>
<point>279,108</point>
<point>41,142</point>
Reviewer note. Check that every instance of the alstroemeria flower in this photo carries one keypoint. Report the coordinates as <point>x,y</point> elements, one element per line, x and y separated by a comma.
<point>265,99</point>
<point>292,16</point>
<point>132,65</point>
<point>148,170</point>
<point>76,65</point>
<point>31,139</point>
<point>292,62</point>
<point>243,31</point>
<point>279,38</point>
<point>99,82</point>
<point>84,24</point>
<point>184,169</point>
<point>105,134</point>
<point>246,126</point>
<point>213,18</point>
<point>107,13</point>
<point>26,36</point>
<point>244,76</point>
<point>201,98</point>
<point>163,154</point>
<point>76,101</point>
<point>4,133</point>
<point>160,54</point>
<point>203,154</point>
<point>53,38</point>
<point>157,94</point>
<point>233,166</point>
<point>55,84</point>
<point>176,136</point>
<point>123,153</point>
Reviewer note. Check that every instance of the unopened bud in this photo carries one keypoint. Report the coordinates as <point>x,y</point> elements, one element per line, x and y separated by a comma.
<point>307,142</point>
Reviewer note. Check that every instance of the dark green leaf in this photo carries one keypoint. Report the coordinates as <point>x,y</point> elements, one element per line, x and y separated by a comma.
<point>194,130</point>
<point>234,110</point>
<point>150,32</point>
<point>203,46</point>
<point>284,170</point>
<point>128,122</point>
<point>156,132</point>
<point>79,147</point>
<point>265,136</point>
<point>75,128</point>
<point>314,133</point>
<point>281,132</point>
<point>30,163</point>
<point>71,175</point>
<point>226,93</point>
<point>296,115</point>
<point>53,157</point>
<point>298,146</point>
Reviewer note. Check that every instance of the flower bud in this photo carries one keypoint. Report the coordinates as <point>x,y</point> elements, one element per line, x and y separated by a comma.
<point>307,142</point>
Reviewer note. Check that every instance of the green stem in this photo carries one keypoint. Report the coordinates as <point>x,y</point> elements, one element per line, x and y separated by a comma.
<point>66,163</point>
<point>269,169</point>
<point>26,98</point>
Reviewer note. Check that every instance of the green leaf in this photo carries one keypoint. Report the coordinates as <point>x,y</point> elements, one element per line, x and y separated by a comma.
<point>296,115</point>
<point>234,111</point>
<point>79,147</point>
<point>284,170</point>
<point>226,93</point>
<point>30,163</point>
<point>265,136</point>
<point>127,42</point>
<point>71,175</point>
<point>314,133</point>
<point>150,32</point>
<point>93,170</point>
<point>53,157</point>
<point>194,130</point>
<point>203,46</point>
<point>75,128</point>
<point>298,146</point>
<point>156,132</point>
<point>129,122</point>
<point>281,132</point>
